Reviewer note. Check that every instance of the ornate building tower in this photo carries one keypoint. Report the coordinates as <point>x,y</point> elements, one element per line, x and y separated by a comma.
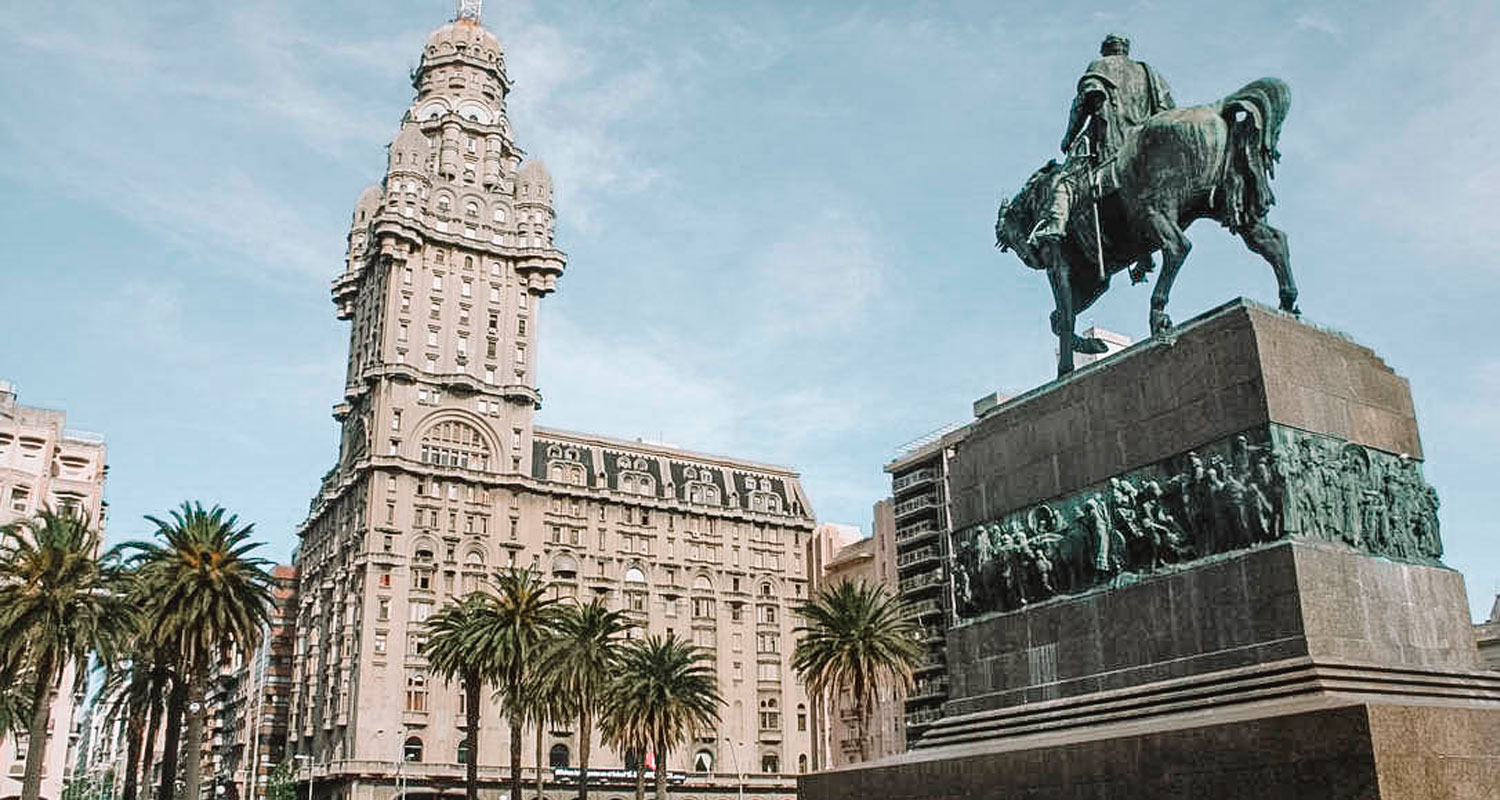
<point>441,478</point>
<point>449,258</point>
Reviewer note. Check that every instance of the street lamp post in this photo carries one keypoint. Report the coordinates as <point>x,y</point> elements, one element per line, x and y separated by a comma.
<point>308,759</point>
<point>739,774</point>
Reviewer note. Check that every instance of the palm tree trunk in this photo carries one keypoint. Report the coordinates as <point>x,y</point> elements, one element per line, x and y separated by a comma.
<point>148,744</point>
<point>661,769</point>
<point>471,722</point>
<point>585,734</point>
<point>176,704</point>
<point>135,726</point>
<point>515,755</point>
<point>36,734</point>
<point>192,772</point>
<point>541,742</point>
<point>640,775</point>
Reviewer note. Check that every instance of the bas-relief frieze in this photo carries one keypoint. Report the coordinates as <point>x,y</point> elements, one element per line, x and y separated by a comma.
<point>1256,487</point>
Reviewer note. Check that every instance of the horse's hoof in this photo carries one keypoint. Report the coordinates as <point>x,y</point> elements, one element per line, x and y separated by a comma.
<point>1091,345</point>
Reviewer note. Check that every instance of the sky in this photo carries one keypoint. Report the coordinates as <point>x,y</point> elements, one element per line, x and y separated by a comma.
<point>778,218</point>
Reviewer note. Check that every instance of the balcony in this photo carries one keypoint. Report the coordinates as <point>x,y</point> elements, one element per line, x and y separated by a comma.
<point>911,479</point>
<point>916,530</point>
<point>919,503</point>
<point>922,608</point>
<point>922,582</point>
<point>921,555</point>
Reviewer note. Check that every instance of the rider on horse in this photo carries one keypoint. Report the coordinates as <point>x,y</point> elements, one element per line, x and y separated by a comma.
<point>1115,95</point>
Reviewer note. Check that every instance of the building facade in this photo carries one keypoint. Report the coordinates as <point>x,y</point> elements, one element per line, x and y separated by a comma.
<point>1487,637</point>
<point>45,465</point>
<point>250,703</point>
<point>442,477</point>
<point>836,554</point>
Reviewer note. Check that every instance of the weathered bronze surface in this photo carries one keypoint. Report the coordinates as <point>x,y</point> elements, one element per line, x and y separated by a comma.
<point>1137,172</point>
<point>1259,486</point>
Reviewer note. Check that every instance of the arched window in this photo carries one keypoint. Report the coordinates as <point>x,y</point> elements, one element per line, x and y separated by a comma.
<point>463,751</point>
<point>455,444</point>
<point>703,761</point>
<point>702,584</point>
<point>474,558</point>
<point>770,763</point>
<point>412,750</point>
<point>802,763</point>
<point>634,575</point>
<point>444,204</point>
<point>558,757</point>
<point>471,209</point>
<point>565,567</point>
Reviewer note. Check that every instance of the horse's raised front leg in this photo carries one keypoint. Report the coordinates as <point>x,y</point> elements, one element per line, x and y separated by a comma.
<point>1174,250</point>
<point>1270,243</point>
<point>1062,318</point>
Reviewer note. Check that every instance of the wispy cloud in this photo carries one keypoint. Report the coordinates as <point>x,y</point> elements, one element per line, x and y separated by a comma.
<point>821,274</point>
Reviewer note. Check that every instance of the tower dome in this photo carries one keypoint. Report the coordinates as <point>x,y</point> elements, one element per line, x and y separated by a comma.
<point>410,151</point>
<point>534,183</point>
<point>465,38</point>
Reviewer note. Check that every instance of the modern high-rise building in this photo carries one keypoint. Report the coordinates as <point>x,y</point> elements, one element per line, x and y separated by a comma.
<point>43,464</point>
<point>250,703</point>
<point>442,477</point>
<point>836,554</point>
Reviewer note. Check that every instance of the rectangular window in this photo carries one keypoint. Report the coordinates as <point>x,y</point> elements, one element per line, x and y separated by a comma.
<point>405,303</point>
<point>379,643</point>
<point>432,337</point>
<point>401,331</point>
<point>521,327</point>
<point>467,290</point>
<point>420,611</point>
<point>383,609</point>
<point>396,419</point>
<point>463,345</point>
<point>437,283</point>
<point>767,643</point>
<point>768,671</point>
<point>520,355</point>
<point>494,294</point>
<point>406,276</point>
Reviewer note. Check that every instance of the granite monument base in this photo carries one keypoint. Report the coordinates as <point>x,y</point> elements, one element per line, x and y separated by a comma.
<point>1207,567</point>
<point>1311,747</point>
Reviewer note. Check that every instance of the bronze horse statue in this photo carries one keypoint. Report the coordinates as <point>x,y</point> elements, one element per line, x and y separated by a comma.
<point>1211,161</point>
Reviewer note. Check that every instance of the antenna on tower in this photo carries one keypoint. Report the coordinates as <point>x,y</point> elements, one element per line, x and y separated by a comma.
<point>469,9</point>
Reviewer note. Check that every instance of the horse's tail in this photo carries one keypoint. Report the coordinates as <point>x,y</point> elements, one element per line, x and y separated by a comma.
<point>1254,115</point>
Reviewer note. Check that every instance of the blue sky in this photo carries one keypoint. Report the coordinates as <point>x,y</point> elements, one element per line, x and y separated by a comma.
<point>778,218</point>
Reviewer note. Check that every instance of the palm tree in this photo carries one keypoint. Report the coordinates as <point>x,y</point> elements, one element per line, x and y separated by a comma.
<point>133,693</point>
<point>546,702</point>
<point>856,637</point>
<point>208,594</point>
<point>588,648</point>
<point>59,602</point>
<point>452,651</point>
<point>665,689</point>
<point>521,613</point>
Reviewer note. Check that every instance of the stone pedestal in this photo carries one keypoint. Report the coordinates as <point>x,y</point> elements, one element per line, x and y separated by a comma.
<point>1205,567</point>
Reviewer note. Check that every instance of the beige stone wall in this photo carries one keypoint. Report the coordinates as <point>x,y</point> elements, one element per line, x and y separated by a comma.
<point>42,464</point>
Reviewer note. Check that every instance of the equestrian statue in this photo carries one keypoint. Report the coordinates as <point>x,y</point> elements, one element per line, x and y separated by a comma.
<point>1137,171</point>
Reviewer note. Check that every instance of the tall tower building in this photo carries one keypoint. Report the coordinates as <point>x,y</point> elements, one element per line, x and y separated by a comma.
<point>442,477</point>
